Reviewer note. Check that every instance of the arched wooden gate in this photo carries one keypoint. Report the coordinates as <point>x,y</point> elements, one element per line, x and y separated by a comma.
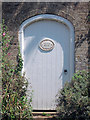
<point>47,47</point>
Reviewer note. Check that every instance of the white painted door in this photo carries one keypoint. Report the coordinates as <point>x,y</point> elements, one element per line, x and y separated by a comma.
<point>45,70</point>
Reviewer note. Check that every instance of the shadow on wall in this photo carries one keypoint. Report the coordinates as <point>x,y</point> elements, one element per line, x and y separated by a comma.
<point>17,12</point>
<point>88,17</point>
<point>85,37</point>
<point>89,48</point>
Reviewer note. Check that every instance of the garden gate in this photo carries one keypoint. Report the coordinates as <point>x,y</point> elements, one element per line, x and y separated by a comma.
<point>47,47</point>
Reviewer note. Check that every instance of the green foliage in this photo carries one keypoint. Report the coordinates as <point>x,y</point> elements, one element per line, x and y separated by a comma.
<point>74,102</point>
<point>15,104</point>
<point>45,114</point>
<point>20,62</point>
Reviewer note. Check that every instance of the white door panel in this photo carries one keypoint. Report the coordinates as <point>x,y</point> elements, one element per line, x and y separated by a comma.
<point>45,69</point>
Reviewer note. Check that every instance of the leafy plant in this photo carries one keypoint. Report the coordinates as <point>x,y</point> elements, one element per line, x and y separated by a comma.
<point>45,114</point>
<point>73,101</point>
<point>15,104</point>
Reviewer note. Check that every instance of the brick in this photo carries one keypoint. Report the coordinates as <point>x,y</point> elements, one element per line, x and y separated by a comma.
<point>15,13</point>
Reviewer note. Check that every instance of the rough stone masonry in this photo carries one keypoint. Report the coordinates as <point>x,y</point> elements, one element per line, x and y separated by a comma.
<point>14,13</point>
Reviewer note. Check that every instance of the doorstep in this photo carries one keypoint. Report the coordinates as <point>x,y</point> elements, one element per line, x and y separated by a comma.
<point>45,115</point>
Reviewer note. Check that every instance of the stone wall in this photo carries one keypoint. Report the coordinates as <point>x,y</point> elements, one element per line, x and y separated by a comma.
<point>77,13</point>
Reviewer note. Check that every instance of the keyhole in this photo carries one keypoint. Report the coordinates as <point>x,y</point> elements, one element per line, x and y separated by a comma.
<point>65,71</point>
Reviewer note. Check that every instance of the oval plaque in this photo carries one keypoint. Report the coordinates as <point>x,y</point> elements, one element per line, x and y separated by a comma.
<point>46,45</point>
